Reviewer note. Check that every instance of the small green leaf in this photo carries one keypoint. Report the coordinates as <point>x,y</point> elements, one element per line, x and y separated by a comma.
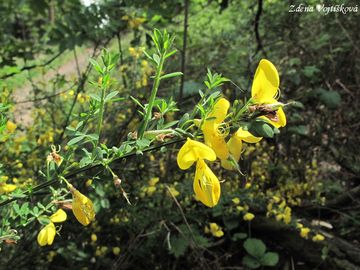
<point>270,259</point>
<point>95,97</point>
<point>75,140</point>
<point>171,75</point>
<point>111,95</point>
<point>239,236</point>
<point>255,247</point>
<point>250,262</point>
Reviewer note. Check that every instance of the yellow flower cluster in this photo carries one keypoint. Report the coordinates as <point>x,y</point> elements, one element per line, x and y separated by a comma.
<point>304,233</point>
<point>214,229</point>
<point>206,185</point>
<point>134,22</point>
<point>277,207</point>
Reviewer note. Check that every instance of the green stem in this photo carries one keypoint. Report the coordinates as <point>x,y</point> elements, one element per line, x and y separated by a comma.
<point>152,96</point>
<point>243,109</point>
<point>101,114</point>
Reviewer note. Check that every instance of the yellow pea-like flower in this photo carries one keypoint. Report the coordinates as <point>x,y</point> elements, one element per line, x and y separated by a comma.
<point>235,146</point>
<point>6,188</point>
<point>214,229</point>
<point>304,232</point>
<point>191,152</point>
<point>206,185</point>
<point>10,126</point>
<point>46,235</point>
<point>265,88</point>
<point>58,216</point>
<point>82,207</point>
<point>249,216</point>
<point>318,237</point>
<point>214,137</point>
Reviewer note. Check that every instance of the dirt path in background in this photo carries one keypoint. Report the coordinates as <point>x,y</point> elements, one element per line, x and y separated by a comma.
<point>23,110</point>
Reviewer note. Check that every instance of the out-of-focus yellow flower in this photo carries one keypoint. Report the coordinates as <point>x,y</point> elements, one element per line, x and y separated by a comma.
<point>304,232</point>
<point>88,182</point>
<point>174,192</point>
<point>214,229</point>
<point>10,126</point>
<point>153,181</point>
<point>116,251</point>
<point>249,216</point>
<point>236,200</point>
<point>287,215</point>
<point>264,90</point>
<point>93,237</point>
<point>6,188</point>
<point>206,185</point>
<point>214,134</point>
<point>192,151</point>
<point>82,207</point>
<point>318,237</point>
<point>46,235</point>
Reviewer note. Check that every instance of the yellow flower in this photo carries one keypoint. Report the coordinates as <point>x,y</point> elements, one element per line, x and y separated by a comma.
<point>58,216</point>
<point>46,235</point>
<point>153,181</point>
<point>304,232</point>
<point>318,237</point>
<point>206,185</point>
<point>214,229</point>
<point>213,135</point>
<point>6,188</point>
<point>264,90</point>
<point>173,191</point>
<point>249,216</point>
<point>236,200</point>
<point>116,250</point>
<point>10,126</point>
<point>235,147</point>
<point>287,215</point>
<point>191,152</point>
<point>82,207</point>
<point>93,237</point>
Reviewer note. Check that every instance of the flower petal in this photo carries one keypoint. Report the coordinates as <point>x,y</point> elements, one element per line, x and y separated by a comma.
<point>82,208</point>
<point>58,216</point>
<point>46,235</point>
<point>246,136</point>
<point>266,82</point>
<point>235,147</point>
<point>192,151</point>
<point>206,185</point>
<point>219,111</point>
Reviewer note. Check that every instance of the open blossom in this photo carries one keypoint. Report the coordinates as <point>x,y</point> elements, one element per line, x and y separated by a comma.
<point>214,135</point>
<point>47,234</point>
<point>235,147</point>
<point>214,229</point>
<point>206,185</point>
<point>264,91</point>
<point>82,207</point>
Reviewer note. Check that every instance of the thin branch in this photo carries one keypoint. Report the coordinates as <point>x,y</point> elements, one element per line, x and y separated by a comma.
<point>256,28</point>
<point>71,175</point>
<point>33,66</point>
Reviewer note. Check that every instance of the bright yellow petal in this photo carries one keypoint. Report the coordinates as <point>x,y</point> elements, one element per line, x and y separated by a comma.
<point>206,185</point>
<point>266,82</point>
<point>235,146</point>
<point>246,136</point>
<point>46,235</point>
<point>58,216</point>
<point>82,208</point>
<point>219,111</point>
<point>192,151</point>
<point>217,142</point>
<point>10,126</point>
